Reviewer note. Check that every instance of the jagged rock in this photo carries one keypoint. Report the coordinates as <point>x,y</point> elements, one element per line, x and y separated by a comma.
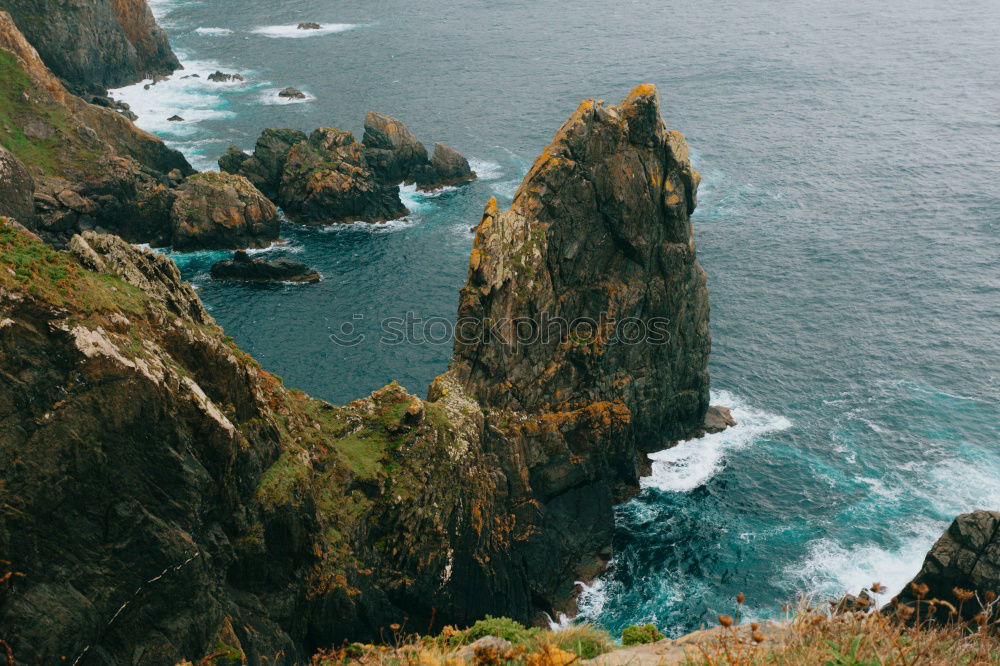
<point>221,210</point>
<point>328,179</point>
<point>222,77</point>
<point>96,44</point>
<point>264,169</point>
<point>966,557</point>
<point>232,160</point>
<point>448,167</point>
<point>17,189</point>
<point>598,232</point>
<point>393,152</point>
<point>243,267</point>
<point>175,119</point>
<point>241,513</point>
<point>292,93</point>
<point>91,150</point>
<point>309,25</point>
<point>717,419</point>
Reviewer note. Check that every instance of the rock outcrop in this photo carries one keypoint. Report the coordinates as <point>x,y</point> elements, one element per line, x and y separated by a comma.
<point>95,44</point>
<point>329,177</point>
<point>17,189</point>
<point>243,267</point>
<point>265,167</point>
<point>242,516</point>
<point>93,169</point>
<point>218,211</point>
<point>966,559</point>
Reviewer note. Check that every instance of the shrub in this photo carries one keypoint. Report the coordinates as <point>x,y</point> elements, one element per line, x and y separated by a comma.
<point>640,634</point>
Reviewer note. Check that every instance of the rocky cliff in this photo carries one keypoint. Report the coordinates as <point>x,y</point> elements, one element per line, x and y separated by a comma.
<point>95,44</point>
<point>92,169</point>
<point>962,568</point>
<point>163,497</point>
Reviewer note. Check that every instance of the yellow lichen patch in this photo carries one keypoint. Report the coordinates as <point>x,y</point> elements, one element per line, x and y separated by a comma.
<point>674,199</point>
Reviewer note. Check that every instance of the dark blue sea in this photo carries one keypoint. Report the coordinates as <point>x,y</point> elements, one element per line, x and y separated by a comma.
<point>849,222</point>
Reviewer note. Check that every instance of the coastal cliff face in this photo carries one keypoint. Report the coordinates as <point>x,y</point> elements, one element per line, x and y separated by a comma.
<point>95,44</point>
<point>165,498</point>
<point>91,169</point>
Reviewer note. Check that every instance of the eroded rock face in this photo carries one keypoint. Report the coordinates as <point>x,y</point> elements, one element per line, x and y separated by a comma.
<point>219,210</point>
<point>393,152</point>
<point>967,557</point>
<point>17,189</point>
<point>95,44</point>
<point>447,167</point>
<point>599,229</point>
<point>93,169</point>
<point>265,167</point>
<point>328,179</point>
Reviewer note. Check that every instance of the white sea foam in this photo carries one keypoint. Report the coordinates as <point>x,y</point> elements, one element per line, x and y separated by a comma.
<point>370,227</point>
<point>415,200</point>
<point>195,99</point>
<point>485,169</point>
<point>213,32</point>
<point>293,31</point>
<point>270,97</point>
<point>830,569</point>
<point>690,464</point>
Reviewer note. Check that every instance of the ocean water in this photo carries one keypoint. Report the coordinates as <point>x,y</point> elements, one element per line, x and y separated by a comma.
<point>848,222</point>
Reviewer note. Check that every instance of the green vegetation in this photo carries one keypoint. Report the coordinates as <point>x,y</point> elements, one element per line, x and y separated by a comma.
<point>29,265</point>
<point>37,133</point>
<point>641,634</point>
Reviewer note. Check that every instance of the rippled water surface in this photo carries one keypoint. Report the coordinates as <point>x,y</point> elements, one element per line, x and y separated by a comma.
<point>848,221</point>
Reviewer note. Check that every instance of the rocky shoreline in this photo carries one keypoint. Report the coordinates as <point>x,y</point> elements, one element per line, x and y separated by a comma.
<point>163,495</point>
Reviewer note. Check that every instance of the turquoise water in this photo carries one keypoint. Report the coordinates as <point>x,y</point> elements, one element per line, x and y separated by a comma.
<point>848,222</point>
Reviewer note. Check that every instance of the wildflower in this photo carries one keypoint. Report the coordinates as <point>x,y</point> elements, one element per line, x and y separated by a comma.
<point>904,610</point>
<point>878,588</point>
<point>754,626</point>
<point>962,595</point>
<point>919,590</point>
<point>725,621</point>
<point>740,598</point>
<point>757,637</point>
<point>990,596</point>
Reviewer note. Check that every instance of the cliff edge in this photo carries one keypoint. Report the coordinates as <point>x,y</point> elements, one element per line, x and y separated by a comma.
<point>93,45</point>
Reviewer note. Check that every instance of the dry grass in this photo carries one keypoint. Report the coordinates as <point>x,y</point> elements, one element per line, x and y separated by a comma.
<point>928,632</point>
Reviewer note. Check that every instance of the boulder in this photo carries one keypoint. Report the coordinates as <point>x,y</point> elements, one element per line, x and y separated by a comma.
<point>328,179</point>
<point>232,160</point>
<point>220,210</point>
<point>17,189</point>
<point>292,93</point>
<point>309,25</point>
<point>265,167</point>
<point>447,167</point>
<point>964,560</point>
<point>394,154</point>
<point>243,267</point>
<point>175,119</point>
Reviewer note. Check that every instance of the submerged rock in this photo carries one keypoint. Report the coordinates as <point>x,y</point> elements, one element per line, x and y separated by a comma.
<point>243,267</point>
<point>175,119</point>
<point>222,77</point>
<point>309,25</point>
<point>292,93</point>
<point>965,560</point>
<point>327,179</point>
<point>220,210</point>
